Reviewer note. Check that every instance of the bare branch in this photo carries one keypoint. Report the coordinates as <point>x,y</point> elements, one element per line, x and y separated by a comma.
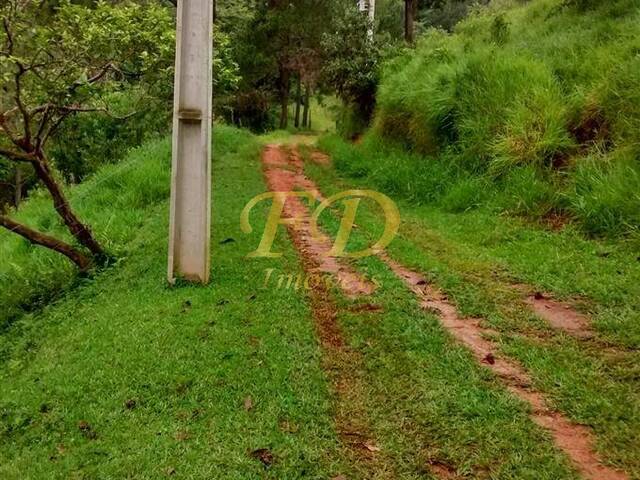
<point>51,130</point>
<point>47,241</point>
<point>97,77</point>
<point>7,30</point>
<point>106,111</point>
<point>18,156</point>
<point>41,129</point>
<point>11,135</point>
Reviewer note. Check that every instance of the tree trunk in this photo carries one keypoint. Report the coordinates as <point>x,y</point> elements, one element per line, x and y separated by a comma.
<point>52,243</point>
<point>409,20</point>
<point>307,107</point>
<point>284,97</point>
<point>298,100</point>
<point>79,231</point>
<point>17,199</point>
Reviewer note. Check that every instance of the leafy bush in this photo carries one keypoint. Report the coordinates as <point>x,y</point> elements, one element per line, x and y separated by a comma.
<point>87,142</point>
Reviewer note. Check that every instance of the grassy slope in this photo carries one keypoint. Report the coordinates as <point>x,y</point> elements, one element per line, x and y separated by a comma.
<point>115,202</point>
<point>475,257</point>
<point>189,357</point>
<point>530,107</point>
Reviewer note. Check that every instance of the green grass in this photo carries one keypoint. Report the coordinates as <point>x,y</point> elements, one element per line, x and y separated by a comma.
<point>451,411</point>
<point>187,356</point>
<point>158,377</point>
<point>114,202</point>
<point>476,257</point>
<point>538,97</point>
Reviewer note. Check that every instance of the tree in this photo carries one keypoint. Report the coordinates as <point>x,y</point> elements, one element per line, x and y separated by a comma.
<point>50,72</point>
<point>271,53</point>
<point>410,11</point>
<point>351,63</point>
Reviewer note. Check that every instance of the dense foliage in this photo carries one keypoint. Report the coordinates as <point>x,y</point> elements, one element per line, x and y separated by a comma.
<point>540,99</point>
<point>67,43</point>
<point>352,69</point>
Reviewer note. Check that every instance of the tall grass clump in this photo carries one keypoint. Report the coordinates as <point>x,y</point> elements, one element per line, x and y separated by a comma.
<point>390,168</point>
<point>605,194</point>
<point>535,103</point>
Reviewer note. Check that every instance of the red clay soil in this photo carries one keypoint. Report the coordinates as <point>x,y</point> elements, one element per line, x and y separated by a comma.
<point>284,172</point>
<point>575,440</point>
<point>442,471</point>
<point>561,316</point>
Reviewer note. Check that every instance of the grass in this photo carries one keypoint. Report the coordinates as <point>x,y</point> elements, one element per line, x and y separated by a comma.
<point>451,411</point>
<point>124,377</point>
<point>121,376</point>
<point>115,203</point>
<point>538,97</point>
<point>476,257</point>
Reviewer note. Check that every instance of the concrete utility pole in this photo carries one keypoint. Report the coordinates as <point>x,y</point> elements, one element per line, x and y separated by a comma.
<point>190,217</point>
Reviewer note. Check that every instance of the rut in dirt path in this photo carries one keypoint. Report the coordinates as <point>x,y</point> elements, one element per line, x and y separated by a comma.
<point>561,316</point>
<point>576,441</point>
<point>284,173</point>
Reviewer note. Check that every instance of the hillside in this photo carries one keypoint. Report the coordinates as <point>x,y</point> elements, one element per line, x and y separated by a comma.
<point>452,295</point>
<point>123,377</point>
<point>528,107</point>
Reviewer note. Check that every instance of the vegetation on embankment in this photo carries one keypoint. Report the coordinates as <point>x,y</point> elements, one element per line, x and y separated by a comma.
<point>531,108</point>
<point>128,378</point>
<point>116,202</point>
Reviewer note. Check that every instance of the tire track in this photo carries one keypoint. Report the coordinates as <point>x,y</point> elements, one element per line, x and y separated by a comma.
<point>283,171</point>
<point>576,441</point>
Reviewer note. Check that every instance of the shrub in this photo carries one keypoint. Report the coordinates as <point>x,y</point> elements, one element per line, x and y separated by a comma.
<point>87,142</point>
<point>605,194</point>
